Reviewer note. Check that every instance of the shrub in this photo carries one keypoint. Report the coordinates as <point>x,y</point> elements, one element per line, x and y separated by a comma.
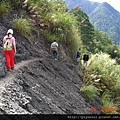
<point>108,103</point>
<point>103,73</point>
<point>22,25</point>
<point>5,7</point>
<point>90,91</point>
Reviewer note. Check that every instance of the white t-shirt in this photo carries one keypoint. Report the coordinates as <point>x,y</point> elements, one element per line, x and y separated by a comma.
<point>54,44</point>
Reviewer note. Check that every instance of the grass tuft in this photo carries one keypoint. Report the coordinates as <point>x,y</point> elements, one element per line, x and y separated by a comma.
<point>90,92</point>
<point>22,25</point>
<point>5,7</point>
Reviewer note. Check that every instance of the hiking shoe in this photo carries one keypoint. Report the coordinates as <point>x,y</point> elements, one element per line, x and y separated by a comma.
<point>8,70</point>
<point>12,68</point>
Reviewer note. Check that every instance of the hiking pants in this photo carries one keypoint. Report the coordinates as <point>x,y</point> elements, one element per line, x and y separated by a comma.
<point>85,62</point>
<point>9,57</point>
<point>55,54</point>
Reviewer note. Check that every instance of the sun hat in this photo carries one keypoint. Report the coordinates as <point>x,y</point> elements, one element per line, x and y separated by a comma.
<point>10,31</point>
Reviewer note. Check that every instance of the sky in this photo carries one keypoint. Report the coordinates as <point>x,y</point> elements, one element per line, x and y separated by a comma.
<point>114,3</point>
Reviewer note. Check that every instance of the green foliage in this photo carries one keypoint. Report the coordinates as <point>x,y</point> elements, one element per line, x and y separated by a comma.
<point>86,29</point>
<point>118,60</point>
<point>103,73</point>
<point>61,24</point>
<point>104,18</point>
<point>17,5</point>
<point>108,103</point>
<point>49,35</point>
<point>5,7</point>
<point>22,25</point>
<point>104,62</point>
<point>90,92</point>
<point>14,4</point>
<point>103,42</point>
<point>72,28</point>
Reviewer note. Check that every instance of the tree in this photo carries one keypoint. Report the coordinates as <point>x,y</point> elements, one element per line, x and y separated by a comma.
<point>86,28</point>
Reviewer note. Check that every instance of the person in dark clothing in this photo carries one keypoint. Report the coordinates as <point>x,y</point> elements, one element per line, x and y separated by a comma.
<point>86,58</point>
<point>78,56</point>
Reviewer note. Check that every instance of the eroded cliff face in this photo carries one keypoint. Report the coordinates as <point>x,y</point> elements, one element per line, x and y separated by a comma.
<point>44,86</point>
<point>39,84</point>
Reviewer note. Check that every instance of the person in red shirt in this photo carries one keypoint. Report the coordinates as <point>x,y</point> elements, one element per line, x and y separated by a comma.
<point>9,47</point>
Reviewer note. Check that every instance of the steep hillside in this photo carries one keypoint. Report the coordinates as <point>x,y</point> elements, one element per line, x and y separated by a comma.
<point>44,86</point>
<point>40,85</point>
<point>104,17</point>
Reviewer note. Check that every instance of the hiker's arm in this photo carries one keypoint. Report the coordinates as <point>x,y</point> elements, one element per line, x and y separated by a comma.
<point>3,41</point>
<point>57,45</point>
<point>14,44</point>
<point>15,48</point>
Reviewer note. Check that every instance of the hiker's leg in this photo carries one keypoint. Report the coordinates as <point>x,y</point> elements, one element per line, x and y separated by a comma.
<point>86,63</point>
<point>7,58</point>
<point>12,58</point>
<point>53,54</point>
<point>56,55</point>
<point>78,61</point>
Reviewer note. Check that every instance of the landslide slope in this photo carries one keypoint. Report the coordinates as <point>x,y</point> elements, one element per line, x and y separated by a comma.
<point>39,84</point>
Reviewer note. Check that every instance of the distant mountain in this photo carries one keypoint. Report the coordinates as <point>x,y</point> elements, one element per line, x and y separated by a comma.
<point>86,5</point>
<point>104,17</point>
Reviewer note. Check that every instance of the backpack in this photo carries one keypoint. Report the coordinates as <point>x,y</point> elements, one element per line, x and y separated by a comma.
<point>8,44</point>
<point>3,70</point>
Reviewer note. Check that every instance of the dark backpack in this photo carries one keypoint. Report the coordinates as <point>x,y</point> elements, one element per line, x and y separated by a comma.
<point>3,70</point>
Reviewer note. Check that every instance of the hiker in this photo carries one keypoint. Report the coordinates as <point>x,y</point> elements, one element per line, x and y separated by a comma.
<point>78,56</point>
<point>54,49</point>
<point>86,58</point>
<point>9,47</point>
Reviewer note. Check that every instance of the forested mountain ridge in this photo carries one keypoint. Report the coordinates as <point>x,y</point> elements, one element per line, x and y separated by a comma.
<point>107,19</point>
<point>104,17</point>
<point>85,5</point>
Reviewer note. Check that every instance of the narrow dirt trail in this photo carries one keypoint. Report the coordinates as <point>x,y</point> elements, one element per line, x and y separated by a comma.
<point>10,75</point>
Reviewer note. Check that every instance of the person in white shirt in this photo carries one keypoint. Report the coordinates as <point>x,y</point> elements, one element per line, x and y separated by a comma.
<point>54,49</point>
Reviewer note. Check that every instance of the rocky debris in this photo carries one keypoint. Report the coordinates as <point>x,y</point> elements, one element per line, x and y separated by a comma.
<point>45,86</point>
<point>11,98</point>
